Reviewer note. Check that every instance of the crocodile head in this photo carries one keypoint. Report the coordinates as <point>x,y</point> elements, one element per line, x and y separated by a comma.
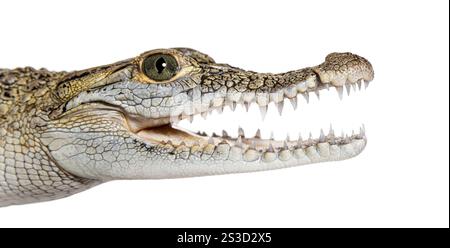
<point>120,121</point>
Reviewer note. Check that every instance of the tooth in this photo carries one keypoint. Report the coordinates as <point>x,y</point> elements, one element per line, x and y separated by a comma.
<point>327,86</point>
<point>204,114</point>
<point>342,133</point>
<point>317,94</point>
<point>211,141</point>
<point>280,106</point>
<point>322,136</point>
<point>359,84</point>
<point>347,139</point>
<point>285,145</point>
<point>306,96</point>
<point>353,86</point>
<point>331,131</point>
<point>340,91</point>
<point>215,135</point>
<point>366,84</point>
<point>348,88</point>
<point>288,138</point>
<point>247,106</point>
<point>331,137</point>
<point>353,133</point>
<point>219,110</point>
<point>270,148</point>
<point>293,102</point>
<point>263,110</point>
<point>191,118</point>
<point>310,137</point>
<point>241,132</point>
<point>233,106</point>
<point>271,135</point>
<point>258,134</point>
<point>224,133</point>
<point>299,140</point>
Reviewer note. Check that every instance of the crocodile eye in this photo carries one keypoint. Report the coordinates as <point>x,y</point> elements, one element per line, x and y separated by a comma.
<point>160,67</point>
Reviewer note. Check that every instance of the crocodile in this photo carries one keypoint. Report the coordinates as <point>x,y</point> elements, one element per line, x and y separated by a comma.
<point>65,132</point>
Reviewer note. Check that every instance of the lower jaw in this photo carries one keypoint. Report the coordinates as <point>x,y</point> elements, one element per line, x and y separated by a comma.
<point>250,150</point>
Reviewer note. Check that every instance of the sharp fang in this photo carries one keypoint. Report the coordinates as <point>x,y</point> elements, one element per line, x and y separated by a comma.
<point>362,130</point>
<point>263,110</point>
<point>348,88</point>
<point>310,137</point>
<point>322,136</point>
<point>241,132</point>
<point>288,138</point>
<point>353,87</point>
<point>340,91</point>
<point>317,94</point>
<point>293,102</point>
<point>306,96</point>
<point>272,135</point>
<point>327,86</point>
<point>204,114</point>
<point>220,110</point>
<point>359,84</point>
<point>224,133</point>
<point>258,134</point>
<point>331,131</point>
<point>233,106</point>
<point>285,145</point>
<point>366,84</point>
<point>211,141</point>
<point>191,118</point>
<point>247,106</point>
<point>280,106</point>
<point>270,148</point>
<point>300,139</point>
<point>215,135</point>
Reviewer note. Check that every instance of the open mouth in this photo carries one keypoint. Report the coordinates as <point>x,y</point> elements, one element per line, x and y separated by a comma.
<point>326,145</point>
<point>183,131</point>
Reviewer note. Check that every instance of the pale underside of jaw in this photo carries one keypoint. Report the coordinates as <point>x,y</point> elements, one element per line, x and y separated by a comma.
<point>252,147</point>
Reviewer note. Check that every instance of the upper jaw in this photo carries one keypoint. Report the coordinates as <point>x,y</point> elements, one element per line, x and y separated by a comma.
<point>222,85</point>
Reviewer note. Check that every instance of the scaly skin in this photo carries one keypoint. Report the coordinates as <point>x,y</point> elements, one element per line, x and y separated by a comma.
<point>61,133</point>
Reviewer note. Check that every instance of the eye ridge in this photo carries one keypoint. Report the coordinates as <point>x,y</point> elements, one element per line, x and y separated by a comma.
<point>160,67</point>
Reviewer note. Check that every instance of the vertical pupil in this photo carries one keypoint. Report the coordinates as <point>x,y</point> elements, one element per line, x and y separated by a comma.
<point>160,65</point>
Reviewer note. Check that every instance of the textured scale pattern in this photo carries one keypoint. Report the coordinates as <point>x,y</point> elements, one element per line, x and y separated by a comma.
<point>27,174</point>
<point>64,132</point>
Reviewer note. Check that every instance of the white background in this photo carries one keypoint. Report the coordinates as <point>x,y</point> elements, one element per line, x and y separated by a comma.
<point>400,180</point>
